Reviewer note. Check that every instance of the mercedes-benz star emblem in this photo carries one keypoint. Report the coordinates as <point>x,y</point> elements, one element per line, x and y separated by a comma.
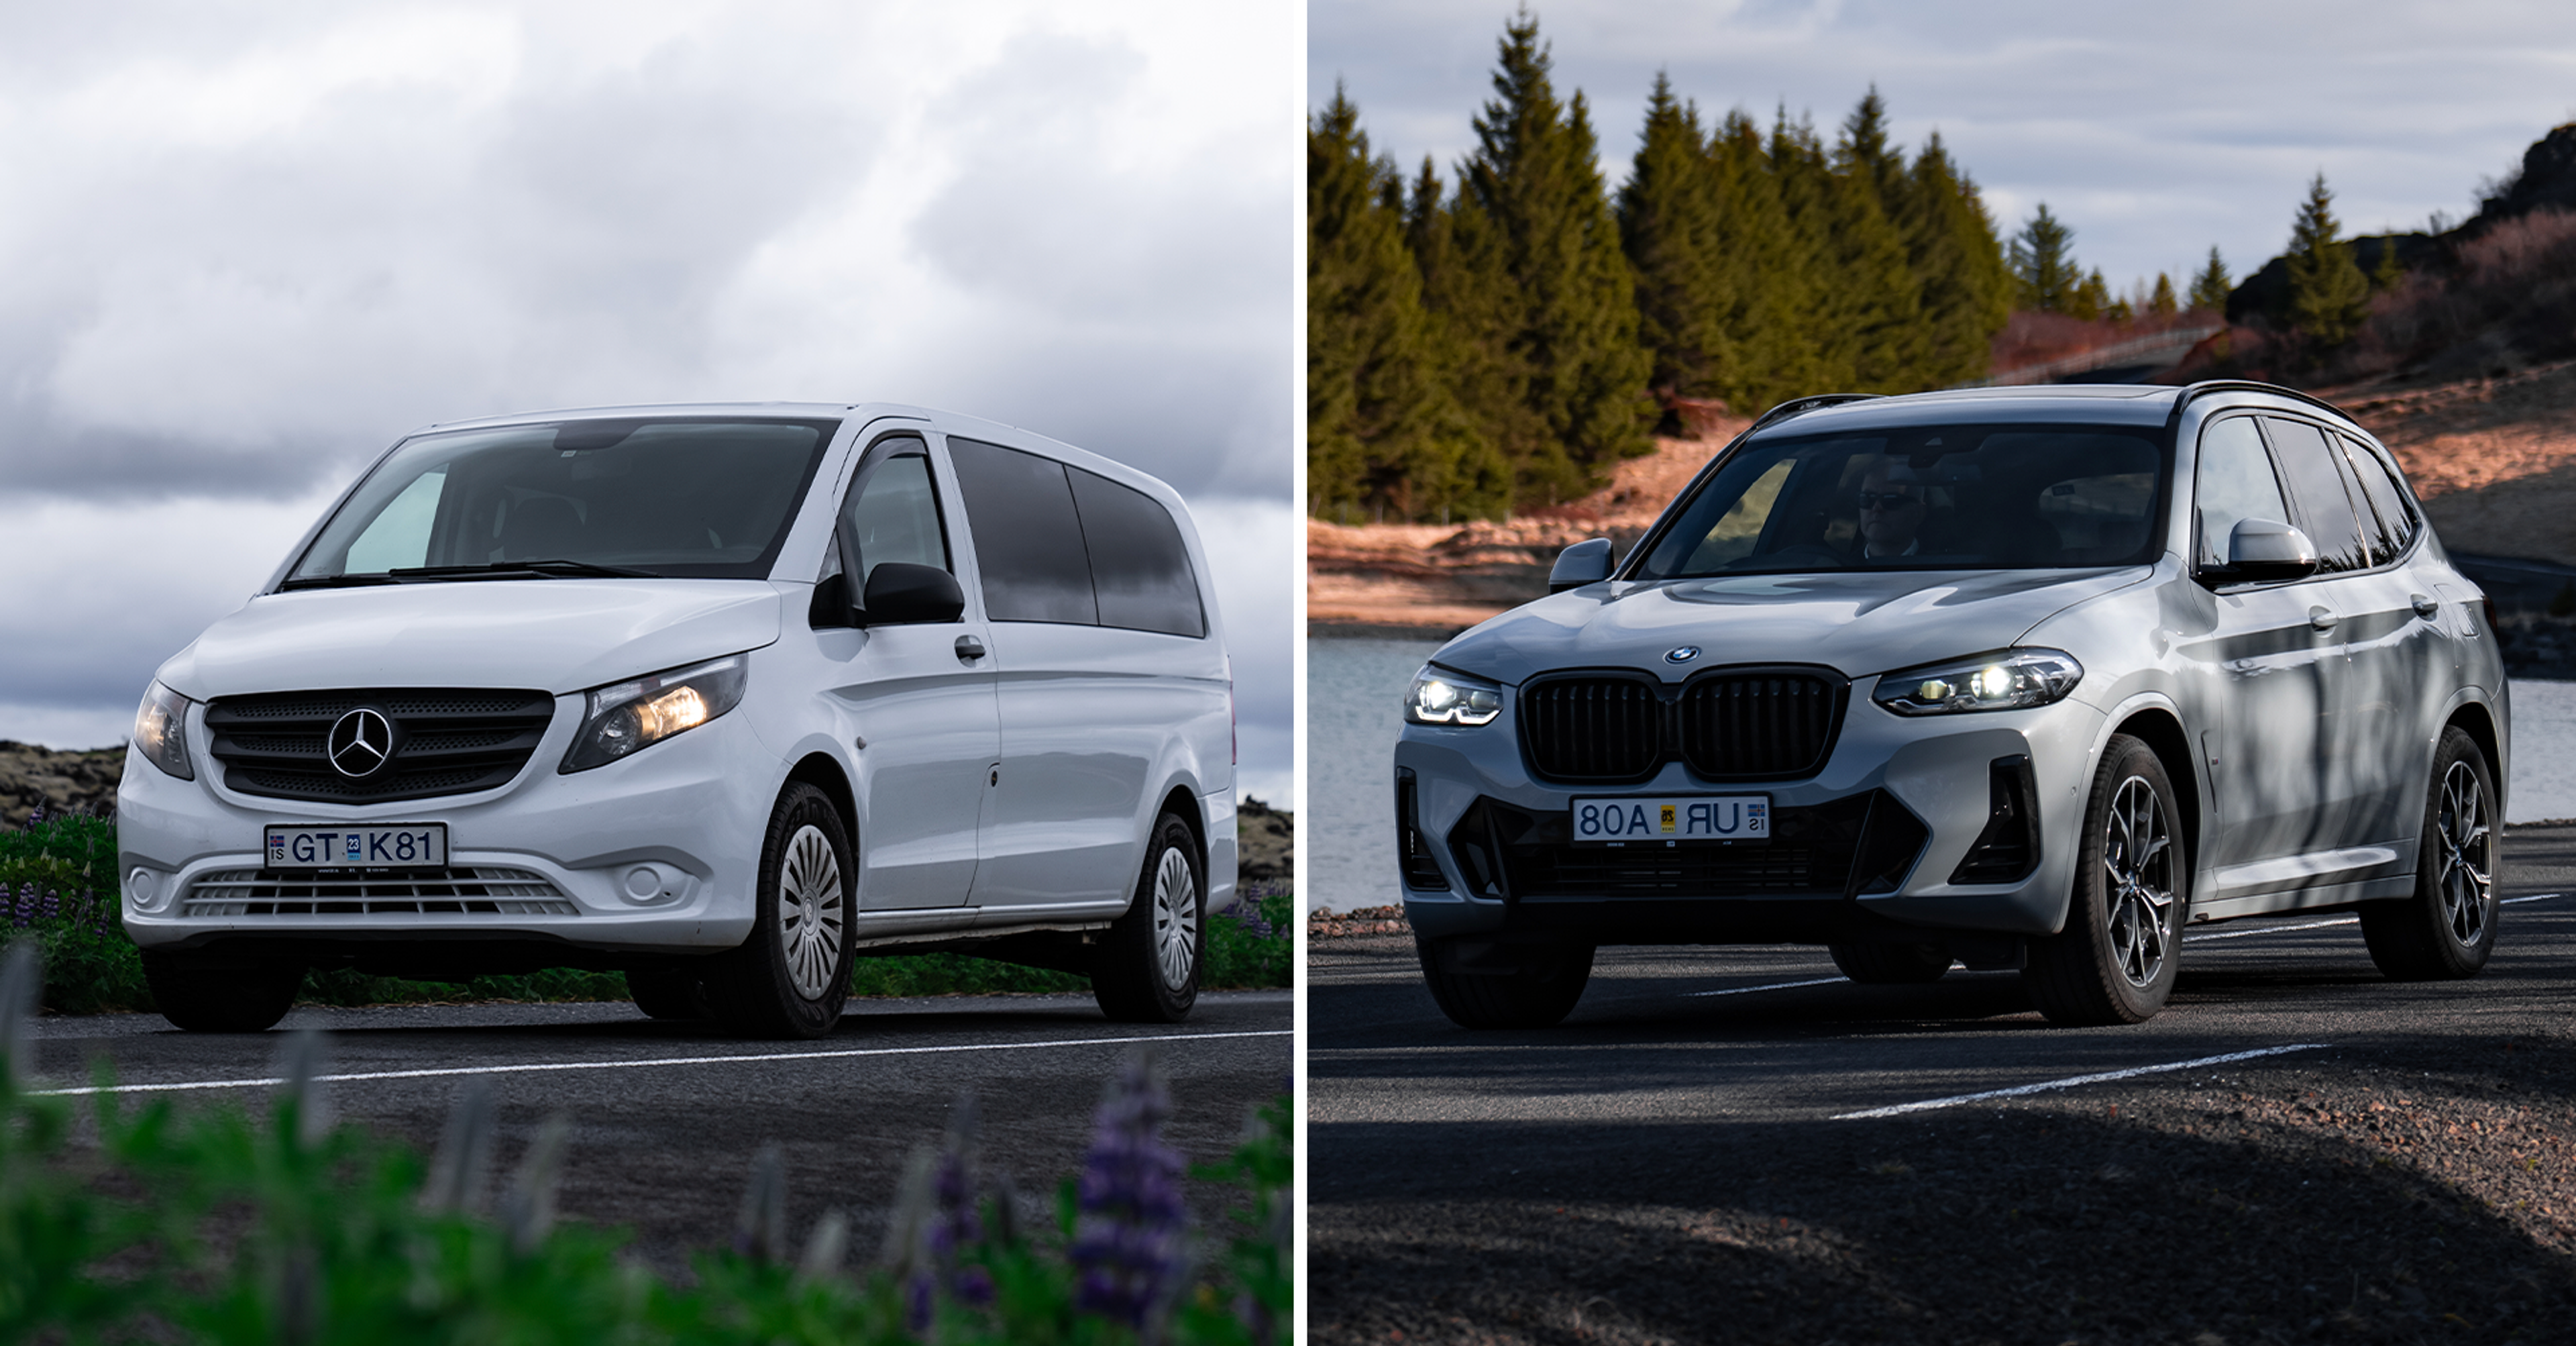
<point>1682,655</point>
<point>361,742</point>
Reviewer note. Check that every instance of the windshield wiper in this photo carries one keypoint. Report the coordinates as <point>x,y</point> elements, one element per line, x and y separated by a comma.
<point>551,569</point>
<point>335,581</point>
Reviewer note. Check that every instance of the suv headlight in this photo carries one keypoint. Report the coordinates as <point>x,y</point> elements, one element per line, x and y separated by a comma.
<point>1442,697</point>
<point>2005,680</point>
<point>161,731</point>
<point>627,717</point>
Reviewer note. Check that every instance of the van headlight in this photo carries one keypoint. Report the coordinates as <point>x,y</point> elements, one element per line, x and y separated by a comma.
<point>1442,697</point>
<point>2005,680</point>
<point>625,718</point>
<point>161,731</point>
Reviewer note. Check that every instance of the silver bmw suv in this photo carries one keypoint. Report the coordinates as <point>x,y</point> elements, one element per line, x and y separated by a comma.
<point>2025,678</point>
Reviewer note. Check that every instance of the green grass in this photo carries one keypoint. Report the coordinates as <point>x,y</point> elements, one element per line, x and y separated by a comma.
<point>58,883</point>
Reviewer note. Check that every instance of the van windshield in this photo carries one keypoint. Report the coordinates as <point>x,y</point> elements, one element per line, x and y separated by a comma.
<point>698,498</point>
<point>1981,497</point>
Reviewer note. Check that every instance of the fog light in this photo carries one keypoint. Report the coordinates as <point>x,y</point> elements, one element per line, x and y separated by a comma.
<point>143,889</point>
<point>651,883</point>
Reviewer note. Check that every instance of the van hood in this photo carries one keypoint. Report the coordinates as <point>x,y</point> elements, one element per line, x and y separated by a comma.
<point>1859,623</point>
<point>553,635</point>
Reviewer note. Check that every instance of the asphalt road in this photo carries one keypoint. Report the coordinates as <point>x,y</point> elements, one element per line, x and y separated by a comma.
<point>666,1118</point>
<point>1691,1077</point>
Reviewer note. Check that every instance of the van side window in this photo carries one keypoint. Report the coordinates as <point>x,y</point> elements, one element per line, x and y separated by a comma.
<point>2316,483</point>
<point>1140,571</point>
<point>2236,484</point>
<point>1028,537</point>
<point>2396,519</point>
<point>893,511</point>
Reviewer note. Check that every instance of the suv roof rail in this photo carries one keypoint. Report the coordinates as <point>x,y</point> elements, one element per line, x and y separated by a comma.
<point>2194,391</point>
<point>1797,405</point>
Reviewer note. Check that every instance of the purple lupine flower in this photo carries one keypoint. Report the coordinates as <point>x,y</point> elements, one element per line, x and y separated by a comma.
<point>1128,1238</point>
<point>53,905</point>
<point>36,816</point>
<point>1248,915</point>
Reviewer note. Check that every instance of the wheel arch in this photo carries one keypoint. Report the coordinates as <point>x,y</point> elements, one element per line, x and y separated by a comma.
<point>824,774</point>
<point>2478,722</point>
<point>2161,730</point>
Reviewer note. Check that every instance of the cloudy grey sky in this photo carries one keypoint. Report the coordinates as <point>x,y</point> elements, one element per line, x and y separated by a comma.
<point>2155,130</point>
<point>244,247</point>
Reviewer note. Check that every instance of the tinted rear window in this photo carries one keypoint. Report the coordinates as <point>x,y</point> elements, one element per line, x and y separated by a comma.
<point>1140,570</point>
<point>1028,536</point>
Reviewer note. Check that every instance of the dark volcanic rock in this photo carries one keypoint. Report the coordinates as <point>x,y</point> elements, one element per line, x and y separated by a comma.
<point>64,782</point>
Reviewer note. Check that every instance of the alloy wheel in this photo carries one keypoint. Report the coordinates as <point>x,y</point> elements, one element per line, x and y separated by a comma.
<point>2137,877</point>
<point>1176,918</point>
<point>810,911</point>
<point>2467,856</point>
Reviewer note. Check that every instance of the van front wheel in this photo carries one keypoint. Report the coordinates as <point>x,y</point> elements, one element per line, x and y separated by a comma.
<point>791,978</point>
<point>202,997</point>
<point>1148,967</point>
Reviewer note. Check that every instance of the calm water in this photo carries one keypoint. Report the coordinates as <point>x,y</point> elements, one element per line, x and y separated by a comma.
<point>1354,689</point>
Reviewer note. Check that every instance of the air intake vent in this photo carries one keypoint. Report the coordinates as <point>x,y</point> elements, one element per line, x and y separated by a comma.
<point>1750,726</point>
<point>444,741</point>
<point>1593,729</point>
<point>480,891</point>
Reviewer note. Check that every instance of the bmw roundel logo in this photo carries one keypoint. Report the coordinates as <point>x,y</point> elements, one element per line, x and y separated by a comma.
<point>361,742</point>
<point>1682,655</point>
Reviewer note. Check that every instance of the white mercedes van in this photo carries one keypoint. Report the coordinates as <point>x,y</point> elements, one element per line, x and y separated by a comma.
<point>720,697</point>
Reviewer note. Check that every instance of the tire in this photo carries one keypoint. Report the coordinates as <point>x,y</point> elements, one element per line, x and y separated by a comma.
<point>667,993</point>
<point>1891,964</point>
<point>2446,930</point>
<point>1150,962</point>
<point>201,997</point>
<point>791,977</point>
<point>1536,989</point>
<point>2115,961</point>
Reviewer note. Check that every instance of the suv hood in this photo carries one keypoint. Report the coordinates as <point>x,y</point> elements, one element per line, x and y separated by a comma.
<point>553,635</point>
<point>1860,623</point>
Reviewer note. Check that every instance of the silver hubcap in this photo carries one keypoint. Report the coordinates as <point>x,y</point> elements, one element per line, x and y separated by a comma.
<point>810,911</point>
<point>2137,872</point>
<point>1176,918</point>
<point>2466,857</point>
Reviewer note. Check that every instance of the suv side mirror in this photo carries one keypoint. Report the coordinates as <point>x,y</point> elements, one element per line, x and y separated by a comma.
<point>2264,549</point>
<point>901,592</point>
<point>1586,562</point>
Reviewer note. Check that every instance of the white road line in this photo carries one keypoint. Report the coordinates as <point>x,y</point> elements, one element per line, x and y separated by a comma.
<point>1776,986</point>
<point>2021,1089</point>
<point>534,1066</point>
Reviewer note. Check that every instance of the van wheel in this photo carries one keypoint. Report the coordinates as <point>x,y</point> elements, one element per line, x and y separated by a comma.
<point>2448,928</point>
<point>1523,986</point>
<point>791,978</point>
<point>2116,960</point>
<point>1891,964</point>
<point>202,997</point>
<point>1149,965</point>
<point>666,993</point>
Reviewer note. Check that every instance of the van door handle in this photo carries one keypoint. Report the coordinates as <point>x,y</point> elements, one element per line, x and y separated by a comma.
<point>2322,618</point>
<point>2425,604</point>
<point>969,649</point>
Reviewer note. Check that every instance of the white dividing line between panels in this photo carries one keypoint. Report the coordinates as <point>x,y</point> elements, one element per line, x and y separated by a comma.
<point>530,1067</point>
<point>2072,1081</point>
<point>2320,925</point>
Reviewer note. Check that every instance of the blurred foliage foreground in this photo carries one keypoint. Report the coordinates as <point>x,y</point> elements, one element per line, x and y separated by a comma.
<point>204,1226</point>
<point>58,885</point>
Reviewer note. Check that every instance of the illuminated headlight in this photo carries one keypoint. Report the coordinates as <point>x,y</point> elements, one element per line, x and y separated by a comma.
<point>2009,680</point>
<point>629,717</point>
<point>161,731</point>
<point>1442,697</point>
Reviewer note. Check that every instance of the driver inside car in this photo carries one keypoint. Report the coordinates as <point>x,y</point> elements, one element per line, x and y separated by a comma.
<point>1891,514</point>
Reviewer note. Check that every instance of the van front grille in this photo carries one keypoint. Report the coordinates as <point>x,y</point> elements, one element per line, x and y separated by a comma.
<point>481,890</point>
<point>445,741</point>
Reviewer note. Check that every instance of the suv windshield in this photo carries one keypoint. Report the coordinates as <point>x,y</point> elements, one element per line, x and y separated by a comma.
<point>1952,497</point>
<point>701,498</point>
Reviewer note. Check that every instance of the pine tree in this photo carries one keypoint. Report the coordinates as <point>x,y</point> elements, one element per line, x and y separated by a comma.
<point>1958,261</point>
<point>1533,215</point>
<point>1775,353</point>
<point>2329,296</point>
<point>1668,226</point>
<point>2209,288</point>
<point>1868,249</point>
<point>2043,264</point>
<point>2387,273</point>
<point>2161,303</point>
<point>1383,428</point>
<point>2091,299</point>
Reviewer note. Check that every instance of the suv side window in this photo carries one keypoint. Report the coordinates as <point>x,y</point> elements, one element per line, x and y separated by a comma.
<point>2396,519</point>
<point>1028,536</point>
<point>1140,571</point>
<point>2236,484</point>
<point>2318,486</point>
<point>892,512</point>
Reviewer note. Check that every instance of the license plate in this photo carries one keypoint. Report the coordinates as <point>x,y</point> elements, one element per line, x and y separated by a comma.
<point>1687,818</point>
<point>367,846</point>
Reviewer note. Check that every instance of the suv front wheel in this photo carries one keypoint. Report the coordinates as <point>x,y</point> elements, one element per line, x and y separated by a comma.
<point>2115,961</point>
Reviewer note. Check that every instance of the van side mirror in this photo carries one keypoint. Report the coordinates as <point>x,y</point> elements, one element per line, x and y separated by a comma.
<point>2265,549</point>
<point>901,592</point>
<point>1586,562</point>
